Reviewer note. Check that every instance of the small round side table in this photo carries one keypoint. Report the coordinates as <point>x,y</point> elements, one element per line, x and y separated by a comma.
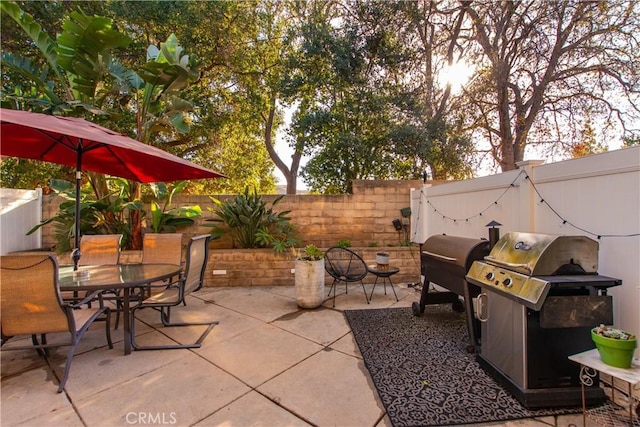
<point>385,275</point>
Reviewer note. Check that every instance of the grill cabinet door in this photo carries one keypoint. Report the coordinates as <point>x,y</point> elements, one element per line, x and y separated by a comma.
<point>503,343</point>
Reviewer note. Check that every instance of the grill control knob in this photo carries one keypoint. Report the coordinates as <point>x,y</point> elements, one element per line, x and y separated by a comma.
<point>508,282</point>
<point>490,276</point>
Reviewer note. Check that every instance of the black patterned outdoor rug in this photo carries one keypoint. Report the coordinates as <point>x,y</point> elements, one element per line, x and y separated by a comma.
<point>423,373</point>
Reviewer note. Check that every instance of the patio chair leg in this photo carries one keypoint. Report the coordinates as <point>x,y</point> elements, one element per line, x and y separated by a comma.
<point>76,341</point>
<point>67,366</point>
<point>42,352</point>
<point>365,292</point>
<point>165,322</point>
<point>334,287</point>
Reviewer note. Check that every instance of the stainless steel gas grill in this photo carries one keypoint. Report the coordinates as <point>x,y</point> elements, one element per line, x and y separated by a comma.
<point>444,261</point>
<point>541,295</point>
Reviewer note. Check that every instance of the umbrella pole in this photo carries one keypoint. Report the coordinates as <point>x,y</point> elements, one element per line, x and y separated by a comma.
<point>76,237</point>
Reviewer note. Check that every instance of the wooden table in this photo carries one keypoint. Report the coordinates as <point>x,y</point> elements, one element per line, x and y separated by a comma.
<point>591,364</point>
<point>114,277</point>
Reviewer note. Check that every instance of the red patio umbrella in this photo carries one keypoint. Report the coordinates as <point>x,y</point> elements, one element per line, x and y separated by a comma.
<point>86,146</point>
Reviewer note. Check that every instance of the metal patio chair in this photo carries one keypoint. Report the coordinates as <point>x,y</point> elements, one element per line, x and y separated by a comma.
<point>173,294</point>
<point>161,248</point>
<point>31,305</point>
<point>100,249</point>
<point>344,265</point>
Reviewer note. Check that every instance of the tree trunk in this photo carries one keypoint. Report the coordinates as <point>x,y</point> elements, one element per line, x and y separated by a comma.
<point>290,174</point>
<point>135,221</point>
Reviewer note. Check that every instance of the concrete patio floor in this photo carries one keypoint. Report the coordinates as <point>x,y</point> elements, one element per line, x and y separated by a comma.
<point>268,363</point>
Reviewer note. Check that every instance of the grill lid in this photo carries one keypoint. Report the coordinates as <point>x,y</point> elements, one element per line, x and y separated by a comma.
<point>454,249</point>
<point>544,254</point>
<point>524,267</point>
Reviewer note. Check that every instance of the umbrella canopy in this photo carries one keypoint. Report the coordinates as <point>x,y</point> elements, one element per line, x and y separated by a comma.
<point>86,146</point>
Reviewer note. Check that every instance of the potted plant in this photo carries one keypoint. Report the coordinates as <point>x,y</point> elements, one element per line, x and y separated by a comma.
<point>309,277</point>
<point>616,347</point>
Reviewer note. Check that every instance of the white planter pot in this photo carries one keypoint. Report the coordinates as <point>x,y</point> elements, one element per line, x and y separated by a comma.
<point>309,283</point>
<point>382,258</point>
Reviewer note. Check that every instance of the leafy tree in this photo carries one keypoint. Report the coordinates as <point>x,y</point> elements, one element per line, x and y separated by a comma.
<point>364,79</point>
<point>92,79</point>
<point>587,144</point>
<point>24,173</point>
<point>432,131</point>
<point>224,125</point>
<point>545,64</point>
<point>631,141</point>
<point>364,113</point>
<point>78,61</point>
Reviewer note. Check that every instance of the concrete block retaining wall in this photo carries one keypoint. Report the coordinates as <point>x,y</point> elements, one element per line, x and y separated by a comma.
<point>364,218</point>
<point>263,267</point>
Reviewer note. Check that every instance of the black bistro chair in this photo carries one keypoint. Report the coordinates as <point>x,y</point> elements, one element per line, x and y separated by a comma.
<point>344,265</point>
<point>173,294</point>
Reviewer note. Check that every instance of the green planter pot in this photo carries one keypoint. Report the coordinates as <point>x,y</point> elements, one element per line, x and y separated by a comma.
<point>614,352</point>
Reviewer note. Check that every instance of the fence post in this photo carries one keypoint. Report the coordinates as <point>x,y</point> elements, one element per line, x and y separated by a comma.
<point>528,195</point>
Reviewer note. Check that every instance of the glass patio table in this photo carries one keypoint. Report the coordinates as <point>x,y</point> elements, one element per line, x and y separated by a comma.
<point>114,277</point>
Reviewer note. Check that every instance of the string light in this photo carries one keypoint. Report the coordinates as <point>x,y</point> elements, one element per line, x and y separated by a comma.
<point>566,221</point>
<point>542,201</point>
<point>494,203</point>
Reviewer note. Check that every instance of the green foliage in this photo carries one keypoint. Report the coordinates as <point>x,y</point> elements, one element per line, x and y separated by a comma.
<point>166,72</point>
<point>97,216</point>
<point>40,38</point>
<point>165,220</point>
<point>109,214</point>
<point>83,50</point>
<point>365,80</point>
<point>310,253</point>
<point>631,140</point>
<point>226,120</point>
<point>364,118</point>
<point>251,223</point>
<point>79,62</point>
<point>344,243</point>
<point>29,174</point>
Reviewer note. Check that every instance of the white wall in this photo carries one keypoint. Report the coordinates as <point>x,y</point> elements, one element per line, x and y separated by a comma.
<point>597,196</point>
<point>20,210</point>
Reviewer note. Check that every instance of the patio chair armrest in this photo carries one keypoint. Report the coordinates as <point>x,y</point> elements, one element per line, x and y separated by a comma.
<point>165,285</point>
<point>87,299</point>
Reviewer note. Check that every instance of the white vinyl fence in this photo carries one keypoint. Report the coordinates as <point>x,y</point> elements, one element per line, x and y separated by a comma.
<point>597,196</point>
<point>20,210</point>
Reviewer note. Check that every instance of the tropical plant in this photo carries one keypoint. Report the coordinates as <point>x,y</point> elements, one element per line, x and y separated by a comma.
<point>82,74</point>
<point>106,215</point>
<point>251,223</point>
<point>77,62</point>
<point>165,220</point>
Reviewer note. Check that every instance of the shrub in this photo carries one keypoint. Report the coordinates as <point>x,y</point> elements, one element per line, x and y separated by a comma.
<point>344,243</point>
<point>166,220</point>
<point>251,223</point>
<point>310,253</point>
